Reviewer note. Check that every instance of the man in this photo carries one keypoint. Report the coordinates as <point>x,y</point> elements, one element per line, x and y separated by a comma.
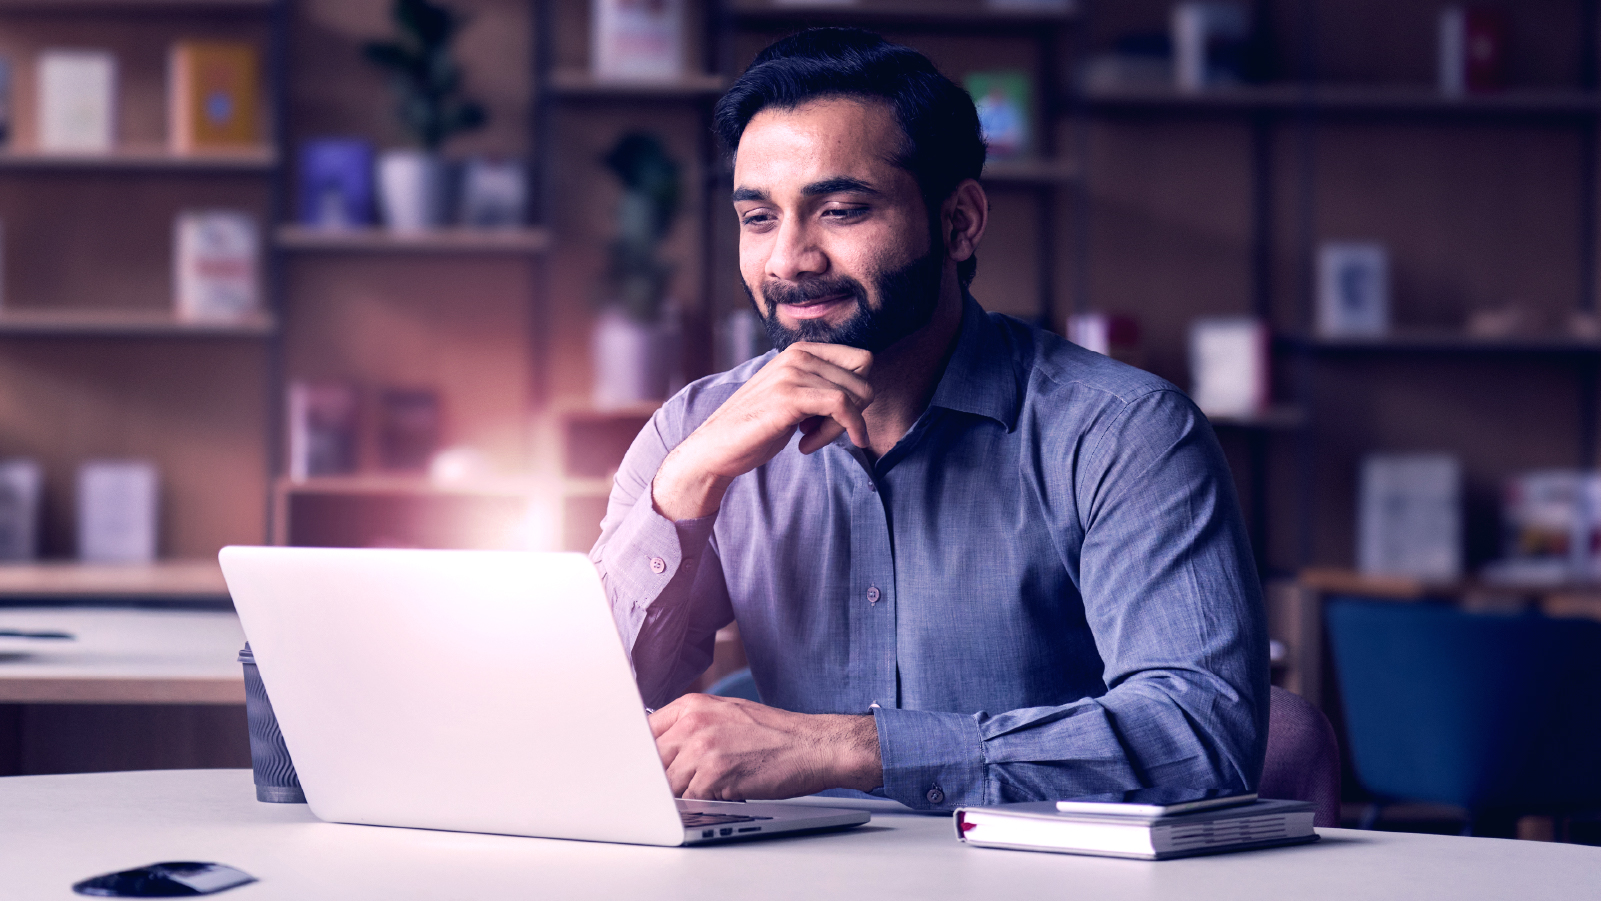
<point>971,563</point>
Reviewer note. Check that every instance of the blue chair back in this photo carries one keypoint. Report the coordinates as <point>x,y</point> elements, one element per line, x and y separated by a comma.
<point>1476,710</point>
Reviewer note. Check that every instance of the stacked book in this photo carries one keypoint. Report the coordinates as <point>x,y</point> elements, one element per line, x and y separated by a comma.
<point>1146,831</point>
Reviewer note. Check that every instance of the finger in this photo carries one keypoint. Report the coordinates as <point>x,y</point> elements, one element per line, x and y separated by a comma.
<point>663,719</point>
<point>822,434</point>
<point>843,414</point>
<point>831,372</point>
<point>842,355</point>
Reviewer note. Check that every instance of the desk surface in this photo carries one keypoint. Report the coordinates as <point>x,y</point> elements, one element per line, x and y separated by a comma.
<point>122,656</point>
<point>58,829</point>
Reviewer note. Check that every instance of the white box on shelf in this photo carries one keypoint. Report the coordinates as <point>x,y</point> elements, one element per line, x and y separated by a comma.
<point>637,39</point>
<point>1409,517</point>
<point>1229,365</point>
<point>1208,44</point>
<point>77,101</point>
<point>117,503</point>
<point>215,265</point>
<point>21,486</point>
<point>1353,289</point>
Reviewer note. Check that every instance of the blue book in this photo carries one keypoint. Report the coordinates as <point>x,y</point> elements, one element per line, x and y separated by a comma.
<point>336,183</point>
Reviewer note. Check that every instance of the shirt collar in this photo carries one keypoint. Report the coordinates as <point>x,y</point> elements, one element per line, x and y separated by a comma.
<point>980,377</point>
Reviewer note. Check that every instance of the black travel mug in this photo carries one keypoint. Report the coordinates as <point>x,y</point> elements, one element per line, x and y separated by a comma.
<point>269,756</point>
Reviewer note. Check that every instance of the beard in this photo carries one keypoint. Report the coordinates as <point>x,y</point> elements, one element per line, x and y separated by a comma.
<point>907,299</point>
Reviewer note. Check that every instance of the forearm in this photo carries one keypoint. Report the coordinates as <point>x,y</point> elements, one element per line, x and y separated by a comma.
<point>1164,730</point>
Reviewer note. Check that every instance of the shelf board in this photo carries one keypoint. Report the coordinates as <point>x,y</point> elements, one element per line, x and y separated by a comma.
<point>171,579</point>
<point>1336,580</point>
<point>1275,418</point>
<point>969,13</point>
<point>438,241</point>
<point>1445,342</point>
<point>404,485</point>
<point>111,323</point>
<point>133,6</point>
<point>141,159</point>
<point>1351,99</point>
<point>1030,172</point>
<point>581,84</point>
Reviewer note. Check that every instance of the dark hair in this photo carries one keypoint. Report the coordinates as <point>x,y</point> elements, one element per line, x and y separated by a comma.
<point>944,146</point>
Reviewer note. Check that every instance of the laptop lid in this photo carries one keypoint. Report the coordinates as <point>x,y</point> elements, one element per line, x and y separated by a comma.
<point>477,691</point>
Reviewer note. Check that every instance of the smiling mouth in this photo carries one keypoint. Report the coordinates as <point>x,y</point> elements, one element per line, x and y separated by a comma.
<point>813,309</point>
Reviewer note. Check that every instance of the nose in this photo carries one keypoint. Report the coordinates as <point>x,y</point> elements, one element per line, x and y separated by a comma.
<point>795,254</point>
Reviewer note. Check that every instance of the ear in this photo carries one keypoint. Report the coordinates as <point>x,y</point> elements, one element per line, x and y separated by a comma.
<point>963,218</point>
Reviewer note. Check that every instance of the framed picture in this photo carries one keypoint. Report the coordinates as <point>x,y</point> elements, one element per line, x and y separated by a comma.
<point>1353,289</point>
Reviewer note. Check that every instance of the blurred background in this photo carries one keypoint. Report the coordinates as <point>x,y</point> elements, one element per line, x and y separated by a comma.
<point>371,273</point>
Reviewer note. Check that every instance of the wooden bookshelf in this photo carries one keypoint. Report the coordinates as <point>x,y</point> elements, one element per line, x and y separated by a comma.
<point>150,159</point>
<point>455,240</point>
<point>1446,342</point>
<point>1030,172</point>
<point>71,580</point>
<point>404,511</point>
<point>951,13</point>
<point>1277,418</point>
<point>115,323</point>
<point>576,83</point>
<point>1352,98</point>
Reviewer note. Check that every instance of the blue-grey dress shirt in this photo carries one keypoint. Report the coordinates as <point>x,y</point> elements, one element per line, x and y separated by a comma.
<point>1043,590</point>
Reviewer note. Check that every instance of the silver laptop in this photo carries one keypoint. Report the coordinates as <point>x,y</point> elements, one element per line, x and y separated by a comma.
<point>475,691</point>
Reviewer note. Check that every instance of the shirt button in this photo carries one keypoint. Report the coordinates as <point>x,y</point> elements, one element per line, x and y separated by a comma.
<point>935,796</point>
<point>658,565</point>
<point>873,595</point>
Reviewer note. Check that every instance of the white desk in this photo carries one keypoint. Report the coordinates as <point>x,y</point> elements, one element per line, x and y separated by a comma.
<point>122,656</point>
<point>55,830</point>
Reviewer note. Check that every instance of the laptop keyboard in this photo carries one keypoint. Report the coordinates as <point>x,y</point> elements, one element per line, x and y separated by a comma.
<point>693,820</point>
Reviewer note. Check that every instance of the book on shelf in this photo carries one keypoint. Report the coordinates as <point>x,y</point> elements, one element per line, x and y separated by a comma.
<point>1210,42</point>
<point>6,105</point>
<point>77,101</point>
<point>1472,49</point>
<point>1409,516</point>
<point>117,511</point>
<point>1005,111</point>
<point>494,193</point>
<point>1042,826</point>
<point>21,488</point>
<point>637,39</point>
<point>1353,289</point>
<point>213,96</point>
<point>1551,522</point>
<point>323,419</point>
<point>1229,371</point>
<point>216,265</point>
<point>336,183</point>
<point>410,423</point>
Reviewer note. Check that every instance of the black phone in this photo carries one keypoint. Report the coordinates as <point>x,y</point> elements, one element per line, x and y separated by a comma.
<point>173,879</point>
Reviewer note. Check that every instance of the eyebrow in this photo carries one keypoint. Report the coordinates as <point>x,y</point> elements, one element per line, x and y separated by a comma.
<point>839,185</point>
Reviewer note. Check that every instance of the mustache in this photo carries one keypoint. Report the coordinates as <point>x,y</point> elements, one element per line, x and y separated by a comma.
<point>776,292</point>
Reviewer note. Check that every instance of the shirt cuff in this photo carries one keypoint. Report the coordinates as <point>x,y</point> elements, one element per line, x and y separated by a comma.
<point>932,760</point>
<point>651,550</point>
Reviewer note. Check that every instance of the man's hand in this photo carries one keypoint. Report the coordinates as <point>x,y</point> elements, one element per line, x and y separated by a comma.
<point>728,749</point>
<point>820,389</point>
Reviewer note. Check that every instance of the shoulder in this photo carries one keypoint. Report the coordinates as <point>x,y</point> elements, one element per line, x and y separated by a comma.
<point>1083,397</point>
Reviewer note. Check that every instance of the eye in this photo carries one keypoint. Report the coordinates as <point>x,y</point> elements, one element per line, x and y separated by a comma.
<point>844,214</point>
<point>755,217</point>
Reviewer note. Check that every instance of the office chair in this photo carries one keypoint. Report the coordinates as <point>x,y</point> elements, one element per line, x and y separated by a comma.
<point>1497,714</point>
<point>737,684</point>
<point>1303,757</point>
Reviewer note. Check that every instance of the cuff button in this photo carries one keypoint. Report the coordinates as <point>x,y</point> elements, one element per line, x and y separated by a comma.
<point>935,796</point>
<point>658,565</point>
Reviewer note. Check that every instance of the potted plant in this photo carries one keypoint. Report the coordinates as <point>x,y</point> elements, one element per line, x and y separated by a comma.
<point>635,343</point>
<point>432,106</point>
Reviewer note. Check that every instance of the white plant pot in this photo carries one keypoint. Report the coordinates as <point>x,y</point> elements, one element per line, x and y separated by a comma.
<point>412,190</point>
<point>634,361</point>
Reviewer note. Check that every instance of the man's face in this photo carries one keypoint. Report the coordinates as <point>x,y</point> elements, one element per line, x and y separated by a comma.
<point>834,238</point>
